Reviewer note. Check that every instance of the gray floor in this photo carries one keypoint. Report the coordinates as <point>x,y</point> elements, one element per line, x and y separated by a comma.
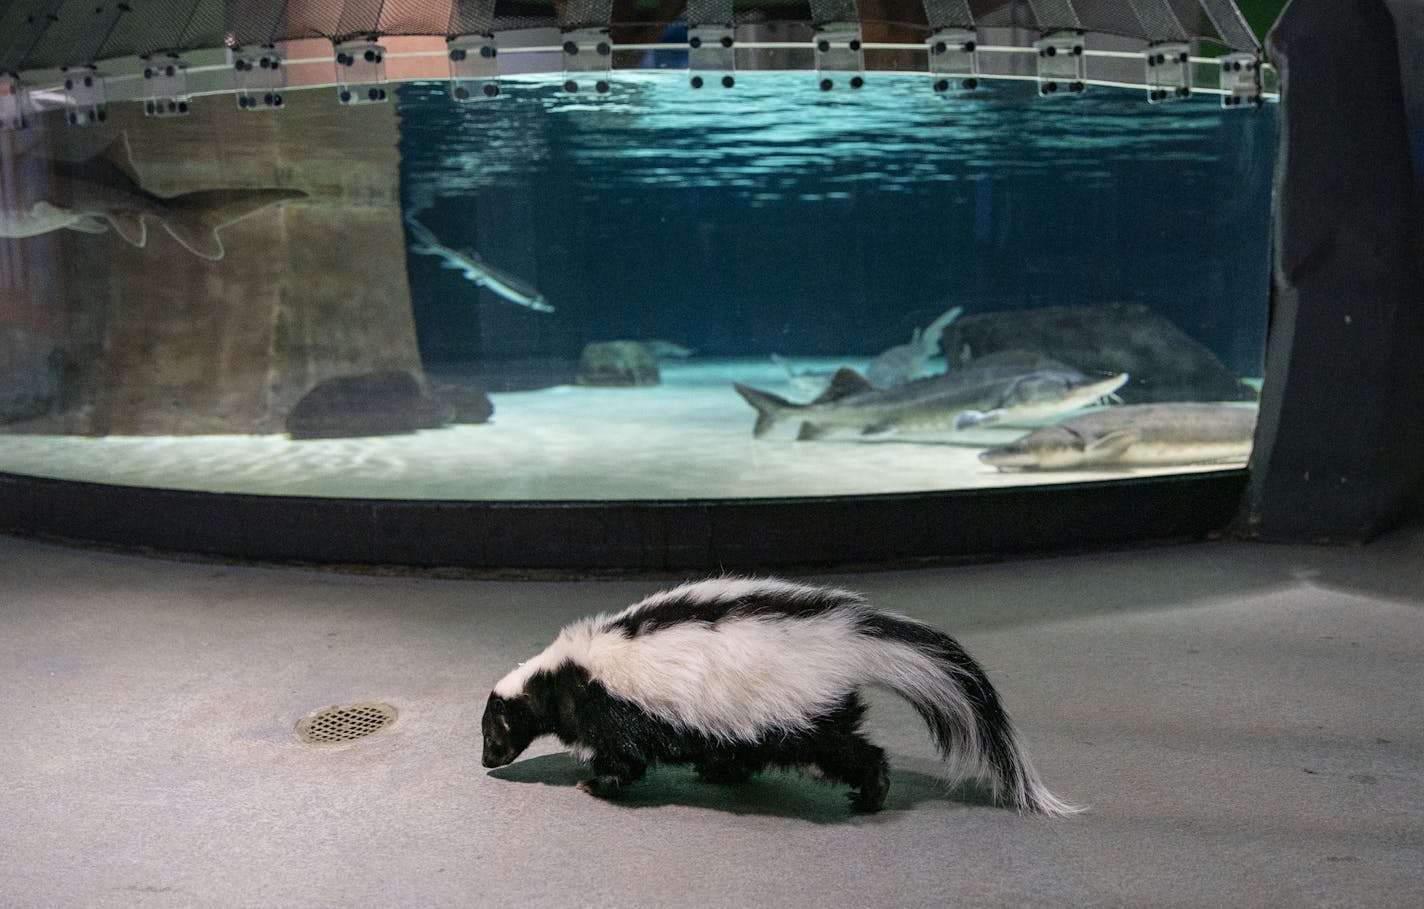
<point>1243,720</point>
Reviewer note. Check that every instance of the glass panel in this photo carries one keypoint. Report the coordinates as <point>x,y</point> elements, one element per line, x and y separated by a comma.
<point>655,293</point>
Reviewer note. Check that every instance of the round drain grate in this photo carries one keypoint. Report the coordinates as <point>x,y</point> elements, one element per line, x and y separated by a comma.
<point>342,724</point>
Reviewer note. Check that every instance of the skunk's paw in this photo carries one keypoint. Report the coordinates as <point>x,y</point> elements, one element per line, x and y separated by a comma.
<point>601,787</point>
<point>871,797</point>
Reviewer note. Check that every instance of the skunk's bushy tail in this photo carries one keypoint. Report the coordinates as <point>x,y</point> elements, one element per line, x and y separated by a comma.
<point>951,692</point>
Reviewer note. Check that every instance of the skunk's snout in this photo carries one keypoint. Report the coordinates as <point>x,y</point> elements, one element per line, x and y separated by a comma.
<point>494,760</point>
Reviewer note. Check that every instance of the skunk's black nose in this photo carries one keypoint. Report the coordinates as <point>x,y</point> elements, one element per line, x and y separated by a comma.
<point>495,760</point>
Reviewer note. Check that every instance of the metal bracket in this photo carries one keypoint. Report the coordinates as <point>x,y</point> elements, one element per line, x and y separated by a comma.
<point>588,59</point>
<point>14,104</point>
<point>1240,79</point>
<point>474,67</point>
<point>954,57</point>
<point>1169,72</point>
<point>258,77</point>
<point>710,55</point>
<point>839,54</point>
<point>165,87</point>
<point>1061,65</point>
<point>83,96</point>
<point>360,72</point>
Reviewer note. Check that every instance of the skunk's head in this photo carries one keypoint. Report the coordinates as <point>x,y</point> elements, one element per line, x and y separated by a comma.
<point>509,726</point>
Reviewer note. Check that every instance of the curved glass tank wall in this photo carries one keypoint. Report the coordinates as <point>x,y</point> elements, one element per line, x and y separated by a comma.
<point>555,260</point>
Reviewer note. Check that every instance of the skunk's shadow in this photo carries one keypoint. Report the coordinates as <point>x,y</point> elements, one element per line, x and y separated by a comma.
<point>774,793</point>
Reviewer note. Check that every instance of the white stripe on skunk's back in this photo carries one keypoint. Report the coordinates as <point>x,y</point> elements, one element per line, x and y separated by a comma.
<point>737,679</point>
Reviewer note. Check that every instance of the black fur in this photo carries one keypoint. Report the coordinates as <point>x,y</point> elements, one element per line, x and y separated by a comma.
<point>622,740</point>
<point>625,740</point>
<point>993,726</point>
<point>675,610</point>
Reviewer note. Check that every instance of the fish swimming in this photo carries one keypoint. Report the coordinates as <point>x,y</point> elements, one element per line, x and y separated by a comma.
<point>103,192</point>
<point>957,400</point>
<point>907,362</point>
<point>1134,434</point>
<point>472,268</point>
<point>667,350</point>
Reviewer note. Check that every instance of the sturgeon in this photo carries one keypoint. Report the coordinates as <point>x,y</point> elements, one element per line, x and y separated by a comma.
<point>103,193</point>
<point>474,269</point>
<point>956,400</point>
<point>1134,434</point>
<point>907,362</point>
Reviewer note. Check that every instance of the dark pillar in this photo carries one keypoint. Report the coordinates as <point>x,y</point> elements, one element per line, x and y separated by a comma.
<point>1340,442</point>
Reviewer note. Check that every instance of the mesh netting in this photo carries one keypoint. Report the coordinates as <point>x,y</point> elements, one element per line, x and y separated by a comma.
<point>823,11</point>
<point>39,34</point>
<point>1158,19</point>
<point>709,12</point>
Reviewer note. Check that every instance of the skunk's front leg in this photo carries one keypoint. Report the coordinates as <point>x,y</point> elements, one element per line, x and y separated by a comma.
<point>611,772</point>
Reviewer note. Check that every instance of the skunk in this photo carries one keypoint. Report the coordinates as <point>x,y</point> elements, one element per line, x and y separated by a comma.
<point>734,675</point>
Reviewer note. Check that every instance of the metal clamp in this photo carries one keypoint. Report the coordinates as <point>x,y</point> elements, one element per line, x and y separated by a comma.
<point>588,59</point>
<point>954,58</point>
<point>165,86</point>
<point>1169,72</point>
<point>839,54</point>
<point>1240,79</point>
<point>360,72</point>
<point>1061,65</point>
<point>474,67</point>
<point>83,96</point>
<point>258,78</point>
<point>710,55</point>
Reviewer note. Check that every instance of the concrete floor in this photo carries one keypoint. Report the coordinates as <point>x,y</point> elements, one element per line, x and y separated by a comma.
<point>1243,720</point>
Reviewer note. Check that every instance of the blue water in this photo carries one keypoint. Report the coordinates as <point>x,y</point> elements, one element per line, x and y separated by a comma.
<point>774,217</point>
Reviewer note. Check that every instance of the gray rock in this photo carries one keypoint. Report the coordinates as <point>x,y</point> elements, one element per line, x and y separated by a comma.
<point>1164,364</point>
<point>467,403</point>
<point>38,376</point>
<point>619,364</point>
<point>377,404</point>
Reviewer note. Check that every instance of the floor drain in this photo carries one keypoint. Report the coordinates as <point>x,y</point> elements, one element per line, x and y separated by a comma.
<point>342,724</point>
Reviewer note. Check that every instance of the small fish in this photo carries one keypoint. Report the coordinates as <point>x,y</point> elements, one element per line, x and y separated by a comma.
<point>805,381</point>
<point>1134,434</point>
<point>667,350</point>
<point>907,362</point>
<point>472,268</point>
<point>103,193</point>
<point>957,400</point>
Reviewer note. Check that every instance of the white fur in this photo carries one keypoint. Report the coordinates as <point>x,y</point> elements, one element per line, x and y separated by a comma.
<point>751,675</point>
<point>746,676</point>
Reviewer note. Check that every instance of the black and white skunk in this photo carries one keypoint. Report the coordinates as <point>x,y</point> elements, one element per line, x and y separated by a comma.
<point>735,675</point>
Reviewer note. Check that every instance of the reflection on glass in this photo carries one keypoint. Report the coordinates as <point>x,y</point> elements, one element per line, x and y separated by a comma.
<point>659,293</point>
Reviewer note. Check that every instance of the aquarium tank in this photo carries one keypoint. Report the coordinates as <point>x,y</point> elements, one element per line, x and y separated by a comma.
<point>614,252</point>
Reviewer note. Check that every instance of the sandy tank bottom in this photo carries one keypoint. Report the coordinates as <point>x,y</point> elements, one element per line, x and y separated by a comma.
<point>687,438</point>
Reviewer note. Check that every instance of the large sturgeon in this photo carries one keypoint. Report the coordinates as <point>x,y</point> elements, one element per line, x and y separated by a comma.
<point>103,192</point>
<point>956,400</point>
<point>1131,435</point>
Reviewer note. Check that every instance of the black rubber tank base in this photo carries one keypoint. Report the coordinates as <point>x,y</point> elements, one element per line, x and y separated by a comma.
<point>732,535</point>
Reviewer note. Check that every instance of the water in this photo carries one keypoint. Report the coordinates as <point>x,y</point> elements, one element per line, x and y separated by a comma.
<point>778,218</point>
<point>769,219</point>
